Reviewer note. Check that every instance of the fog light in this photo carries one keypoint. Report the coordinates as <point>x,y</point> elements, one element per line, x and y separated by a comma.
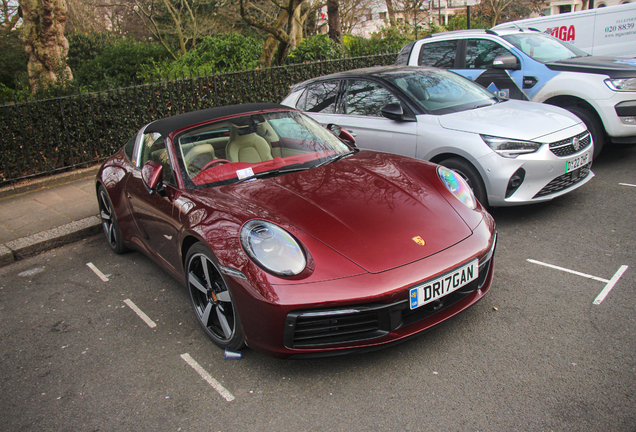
<point>628,120</point>
<point>515,181</point>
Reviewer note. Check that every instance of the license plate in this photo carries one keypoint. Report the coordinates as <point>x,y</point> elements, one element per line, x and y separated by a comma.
<point>437,288</point>
<point>577,162</point>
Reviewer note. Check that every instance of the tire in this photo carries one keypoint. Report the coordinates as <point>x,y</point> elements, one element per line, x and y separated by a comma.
<point>109,222</point>
<point>211,300</point>
<point>471,175</point>
<point>593,125</point>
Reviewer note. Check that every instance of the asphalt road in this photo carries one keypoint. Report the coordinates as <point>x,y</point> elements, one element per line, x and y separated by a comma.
<point>536,354</point>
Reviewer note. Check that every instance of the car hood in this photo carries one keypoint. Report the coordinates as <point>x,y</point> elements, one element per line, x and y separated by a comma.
<point>614,67</point>
<point>367,207</point>
<point>511,119</point>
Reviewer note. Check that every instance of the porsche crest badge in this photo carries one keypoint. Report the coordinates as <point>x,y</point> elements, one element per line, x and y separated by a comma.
<point>419,240</point>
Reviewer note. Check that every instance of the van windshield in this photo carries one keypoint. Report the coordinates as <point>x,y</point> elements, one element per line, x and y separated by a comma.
<point>544,48</point>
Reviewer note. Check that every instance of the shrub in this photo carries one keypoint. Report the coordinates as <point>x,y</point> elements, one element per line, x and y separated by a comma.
<point>316,47</point>
<point>13,61</point>
<point>222,52</point>
<point>119,62</point>
<point>388,39</point>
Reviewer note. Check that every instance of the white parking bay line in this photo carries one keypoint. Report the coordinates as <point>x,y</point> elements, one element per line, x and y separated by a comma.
<point>207,377</point>
<point>609,284</point>
<point>568,271</point>
<point>141,314</point>
<point>627,184</point>
<point>599,299</point>
<point>97,272</point>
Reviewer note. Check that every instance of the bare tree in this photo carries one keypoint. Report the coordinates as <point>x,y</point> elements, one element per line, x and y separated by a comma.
<point>9,15</point>
<point>45,42</point>
<point>285,31</point>
<point>391,12</point>
<point>352,13</point>
<point>172,23</point>
<point>497,11</point>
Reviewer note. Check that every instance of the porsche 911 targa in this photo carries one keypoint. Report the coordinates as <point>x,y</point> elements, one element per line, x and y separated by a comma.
<point>289,239</point>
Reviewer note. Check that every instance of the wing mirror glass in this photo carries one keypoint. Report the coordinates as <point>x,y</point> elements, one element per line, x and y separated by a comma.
<point>152,176</point>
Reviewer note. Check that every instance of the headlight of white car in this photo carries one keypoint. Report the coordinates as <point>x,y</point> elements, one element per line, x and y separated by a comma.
<point>511,148</point>
<point>621,84</point>
<point>272,248</point>
<point>458,186</point>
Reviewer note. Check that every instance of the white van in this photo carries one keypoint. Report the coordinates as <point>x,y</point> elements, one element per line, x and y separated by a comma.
<point>604,31</point>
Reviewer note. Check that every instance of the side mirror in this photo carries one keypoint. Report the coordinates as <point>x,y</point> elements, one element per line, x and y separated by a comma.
<point>343,134</point>
<point>509,62</point>
<point>396,112</point>
<point>393,112</point>
<point>152,176</point>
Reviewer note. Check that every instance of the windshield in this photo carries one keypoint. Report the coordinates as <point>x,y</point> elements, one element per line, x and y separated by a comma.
<point>255,146</point>
<point>544,48</point>
<point>439,91</point>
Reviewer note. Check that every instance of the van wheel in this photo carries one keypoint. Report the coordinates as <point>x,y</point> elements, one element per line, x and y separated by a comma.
<point>471,175</point>
<point>593,125</point>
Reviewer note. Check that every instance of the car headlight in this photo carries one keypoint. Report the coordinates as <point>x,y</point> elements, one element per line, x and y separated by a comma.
<point>510,148</point>
<point>457,186</point>
<point>272,248</point>
<point>621,84</point>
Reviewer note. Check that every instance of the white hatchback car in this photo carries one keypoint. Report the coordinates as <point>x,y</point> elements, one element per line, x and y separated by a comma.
<point>510,152</point>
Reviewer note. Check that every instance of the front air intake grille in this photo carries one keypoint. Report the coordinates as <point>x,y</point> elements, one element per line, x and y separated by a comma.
<point>321,327</point>
<point>332,327</point>
<point>564,181</point>
<point>571,145</point>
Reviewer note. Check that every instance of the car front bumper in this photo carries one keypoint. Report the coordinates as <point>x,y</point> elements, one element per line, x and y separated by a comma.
<point>362,312</point>
<point>546,174</point>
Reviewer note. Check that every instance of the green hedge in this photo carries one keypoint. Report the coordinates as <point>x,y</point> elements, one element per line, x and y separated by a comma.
<point>58,133</point>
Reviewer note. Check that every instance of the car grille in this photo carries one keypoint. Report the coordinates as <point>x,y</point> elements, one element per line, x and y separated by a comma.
<point>564,181</point>
<point>566,147</point>
<point>309,329</point>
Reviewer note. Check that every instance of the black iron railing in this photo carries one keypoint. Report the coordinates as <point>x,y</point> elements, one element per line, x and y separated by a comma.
<point>51,134</point>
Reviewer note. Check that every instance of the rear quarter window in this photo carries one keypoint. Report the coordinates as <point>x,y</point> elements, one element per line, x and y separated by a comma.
<point>129,147</point>
<point>320,98</point>
<point>438,54</point>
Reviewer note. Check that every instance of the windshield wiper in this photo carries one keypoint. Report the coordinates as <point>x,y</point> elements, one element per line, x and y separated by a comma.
<point>273,173</point>
<point>482,105</point>
<point>335,158</point>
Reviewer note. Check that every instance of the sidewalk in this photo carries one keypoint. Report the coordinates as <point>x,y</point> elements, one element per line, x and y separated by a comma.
<point>42,214</point>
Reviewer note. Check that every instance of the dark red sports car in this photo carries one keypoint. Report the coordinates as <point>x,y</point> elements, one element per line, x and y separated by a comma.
<point>291,240</point>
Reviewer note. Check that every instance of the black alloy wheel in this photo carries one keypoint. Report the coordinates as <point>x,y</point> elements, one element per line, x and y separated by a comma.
<point>211,300</point>
<point>109,222</point>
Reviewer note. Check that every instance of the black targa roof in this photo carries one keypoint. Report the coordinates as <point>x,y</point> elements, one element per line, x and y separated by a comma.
<point>169,124</point>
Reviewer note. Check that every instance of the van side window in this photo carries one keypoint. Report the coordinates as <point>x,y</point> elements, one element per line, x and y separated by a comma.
<point>438,54</point>
<point>480,53</point>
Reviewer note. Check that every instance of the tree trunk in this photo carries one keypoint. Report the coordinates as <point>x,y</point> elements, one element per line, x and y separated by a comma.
<point>391,12</point>
<point>283,29</point>
<point>333,16</point>
<point>44,41</point>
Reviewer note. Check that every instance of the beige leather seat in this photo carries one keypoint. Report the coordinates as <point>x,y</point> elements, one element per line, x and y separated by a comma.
<point>197,157</point>
<point>249,148</point>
